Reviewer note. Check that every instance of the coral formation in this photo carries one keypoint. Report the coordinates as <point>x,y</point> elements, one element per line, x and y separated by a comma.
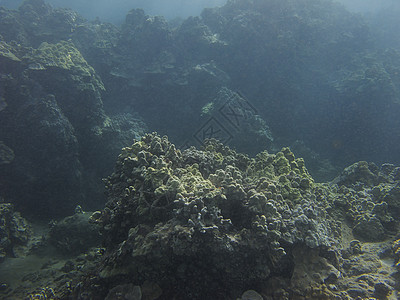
<point>207,223</point>
<point>52,101</point>
<point>173,216</point>
<point>215,223</point>
<point>178,218</point>
<point>367,194</point>
<point>45,293</point>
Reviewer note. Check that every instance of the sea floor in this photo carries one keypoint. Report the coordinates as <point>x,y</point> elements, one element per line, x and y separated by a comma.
<point>40,271</point>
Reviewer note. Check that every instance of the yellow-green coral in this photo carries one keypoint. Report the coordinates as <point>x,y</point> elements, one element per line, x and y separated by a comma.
<point>207,109</point>
<point>63,55</point>
<point>6,52</point>
<point>45,293</point>
<point>281,164</point>
<point>396,250</point>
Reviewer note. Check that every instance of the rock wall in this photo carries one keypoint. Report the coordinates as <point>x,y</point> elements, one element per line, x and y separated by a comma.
<point>57,141</point>
<point>256,75</point>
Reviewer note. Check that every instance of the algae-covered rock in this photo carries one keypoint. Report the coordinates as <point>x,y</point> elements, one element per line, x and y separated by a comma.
<point>251,295</point>
<point>210,209</point>
<point>210,223</point>
<point>6,52</point>
<point>396,250</point>
<point>391,196</point>
<point>238,117</point>
<point>370,229</point>
<point>49,151</point>
<point>53,119</point>
<point>74,234</point>
<point>369,196</point>
<point>362,172</point>
<point>62,55</point>
<point>65,73</point>
<point>184,213</point>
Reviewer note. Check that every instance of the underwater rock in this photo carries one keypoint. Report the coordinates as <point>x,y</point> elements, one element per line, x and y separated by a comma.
<point>365,272</point>
<point>172,216</point>
<point>14,231</point>
<point>251,295</point>
<point>144,39</point>
<point>194,223</point>
<point>369,199</point>
<point>311,269</point>
<point>11,27</point>
<point>148,59</point>
<point>74,234</point>
<point>370,229</point>
<point>320,168</point>
<point>44,293</point>
<point>360,172</point>
<point>42,23</point>
<point>175,220</point>
<point>165,205</point>
<point>57,108</point>
<point>396,251</point>
<point>382,290</point>
<point>150,290</point>
<point>49,151</point>
<point>65,73</point>
<point>390,194</point>
<point>197,42</point>
<point>237,115</point>
<point>6,53</point>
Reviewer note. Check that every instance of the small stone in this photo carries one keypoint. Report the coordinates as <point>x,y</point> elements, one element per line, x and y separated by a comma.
<point>251,295</point>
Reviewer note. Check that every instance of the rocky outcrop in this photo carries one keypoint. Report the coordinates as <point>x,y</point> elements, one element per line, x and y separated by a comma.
<point>177,215</point>
<point>54,125</point>
<point>181,219</point>
<point>15,231</point>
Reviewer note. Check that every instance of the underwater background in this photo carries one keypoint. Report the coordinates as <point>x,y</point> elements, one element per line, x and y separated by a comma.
<point>249,150</point>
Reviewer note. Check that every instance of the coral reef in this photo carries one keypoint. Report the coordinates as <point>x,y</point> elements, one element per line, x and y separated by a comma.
<point>367,194</point>
<point>168,73</point>
<point>200,223</point>
<point>216,223</point>
<point>184,217</point>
